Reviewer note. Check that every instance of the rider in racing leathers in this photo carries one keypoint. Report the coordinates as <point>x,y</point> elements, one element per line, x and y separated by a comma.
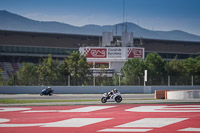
<point>112,92</point>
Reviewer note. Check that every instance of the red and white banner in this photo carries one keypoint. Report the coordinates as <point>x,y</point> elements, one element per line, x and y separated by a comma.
<point>95,52</point>
<point>135,53</point>
<point>112,52</point>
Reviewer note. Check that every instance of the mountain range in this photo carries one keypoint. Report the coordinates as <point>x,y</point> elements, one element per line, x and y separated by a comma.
<point>11,21</point>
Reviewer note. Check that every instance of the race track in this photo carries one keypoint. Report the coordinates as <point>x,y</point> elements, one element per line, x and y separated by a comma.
<point>121,118</point>
<point>71,96</point>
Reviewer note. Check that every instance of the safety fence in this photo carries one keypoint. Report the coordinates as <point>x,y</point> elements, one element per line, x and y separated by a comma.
<point>106,81</point>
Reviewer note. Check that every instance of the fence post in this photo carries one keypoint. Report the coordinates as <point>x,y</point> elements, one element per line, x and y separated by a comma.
<point>192,80</point>
<point>68,80</point>
<point>145,77</point>
<point>168,80</point>
<point>119,80</point>
<point>93,80</point>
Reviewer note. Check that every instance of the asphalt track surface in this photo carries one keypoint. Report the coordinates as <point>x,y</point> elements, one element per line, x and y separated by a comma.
<point>71,96</point>
<point>118,118</point>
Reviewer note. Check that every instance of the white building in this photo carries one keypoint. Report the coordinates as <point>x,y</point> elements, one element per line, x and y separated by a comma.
<point>114,57</point>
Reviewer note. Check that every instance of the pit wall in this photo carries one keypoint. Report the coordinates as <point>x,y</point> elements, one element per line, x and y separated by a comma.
<point>90,89</point>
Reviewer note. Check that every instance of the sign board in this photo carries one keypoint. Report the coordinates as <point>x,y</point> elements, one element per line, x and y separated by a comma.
<point>112,52</point>
<point>95,52</point>
<point>135,52</point>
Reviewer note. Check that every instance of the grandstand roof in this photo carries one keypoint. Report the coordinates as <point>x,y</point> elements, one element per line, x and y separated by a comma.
<point>38,39</point>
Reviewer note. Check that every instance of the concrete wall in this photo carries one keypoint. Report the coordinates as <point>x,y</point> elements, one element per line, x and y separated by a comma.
<point>90,89</point>
<point>183,95</point>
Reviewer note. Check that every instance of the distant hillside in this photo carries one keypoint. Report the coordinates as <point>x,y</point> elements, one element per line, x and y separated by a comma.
<point>10,21</point>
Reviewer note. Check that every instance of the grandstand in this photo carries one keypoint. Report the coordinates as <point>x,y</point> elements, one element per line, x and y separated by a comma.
<point>17,47</point>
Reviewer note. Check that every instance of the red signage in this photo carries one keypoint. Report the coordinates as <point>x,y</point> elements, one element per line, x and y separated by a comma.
<point>95,52</point>
<point>135,53</point>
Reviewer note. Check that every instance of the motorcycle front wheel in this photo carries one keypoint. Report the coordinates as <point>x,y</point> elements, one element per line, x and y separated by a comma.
<point>41,94</point>
<point>103,99</point>
<point>118,99</point>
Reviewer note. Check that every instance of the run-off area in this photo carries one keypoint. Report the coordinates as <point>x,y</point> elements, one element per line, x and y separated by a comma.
<point>103,118</point>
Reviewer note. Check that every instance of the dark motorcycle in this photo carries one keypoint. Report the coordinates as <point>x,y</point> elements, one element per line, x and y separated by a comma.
<point>46,92</point>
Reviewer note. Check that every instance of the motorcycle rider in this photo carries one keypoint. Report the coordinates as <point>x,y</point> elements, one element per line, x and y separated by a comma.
<point>49,89</point>
<point>112,92</point>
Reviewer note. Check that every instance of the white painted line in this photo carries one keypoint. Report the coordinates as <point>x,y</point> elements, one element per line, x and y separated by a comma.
<point>198,109</point>
<point>40,111</point>
<point>186,106</point>
<point>83,109</point>
<point>190,129</point>
<point>124,130</point>
<point>87,109</point>
<point>20,125</point>
<point>4,120</point>
<point>76,122</point>
<point>153,122</point>
<point>161,109</point>
<point>5,109</point>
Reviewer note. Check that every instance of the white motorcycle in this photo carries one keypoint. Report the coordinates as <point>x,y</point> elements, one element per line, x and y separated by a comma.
<point>116,97</point>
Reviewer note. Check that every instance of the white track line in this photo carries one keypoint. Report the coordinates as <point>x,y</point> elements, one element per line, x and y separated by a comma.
<point>152,122</point>
<point>124,130</point>
<point>190,129</point>
<point>83,109</point>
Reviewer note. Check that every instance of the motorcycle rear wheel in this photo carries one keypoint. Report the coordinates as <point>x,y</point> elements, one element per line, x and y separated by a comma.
<point>103,99</point>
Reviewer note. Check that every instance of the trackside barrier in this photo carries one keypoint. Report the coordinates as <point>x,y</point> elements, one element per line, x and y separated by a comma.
<point>183,94</point>
<point>90,89</point>
<point>160,94</point>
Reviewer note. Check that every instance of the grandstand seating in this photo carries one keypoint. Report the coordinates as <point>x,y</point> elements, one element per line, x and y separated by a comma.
<point>9,69</point>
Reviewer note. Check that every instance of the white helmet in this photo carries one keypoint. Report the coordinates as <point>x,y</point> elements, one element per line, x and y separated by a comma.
<point>115,90</point>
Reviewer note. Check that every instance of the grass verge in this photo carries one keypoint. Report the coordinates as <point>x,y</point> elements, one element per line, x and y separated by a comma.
<point>14,101</point>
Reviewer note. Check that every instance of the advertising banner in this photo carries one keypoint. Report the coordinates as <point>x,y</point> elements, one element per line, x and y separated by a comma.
<point>95,52</point>
<point>115,52</point>
<point>135,53</point>
<point>112,52</point>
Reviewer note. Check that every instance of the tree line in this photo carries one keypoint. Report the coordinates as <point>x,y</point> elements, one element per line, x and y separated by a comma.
<point>159,70</point>
<point>74,70</point>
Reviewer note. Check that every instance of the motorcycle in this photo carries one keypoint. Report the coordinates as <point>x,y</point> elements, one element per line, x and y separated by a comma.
<point>113,98</point>
<point>46,92</point>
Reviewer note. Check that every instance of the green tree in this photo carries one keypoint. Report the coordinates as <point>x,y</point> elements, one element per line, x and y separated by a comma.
<point>1,77</point>
<point>115,79</point>
<point>155,66</point>
<point>1,74</point>
<point>64,72</point>
<point>48,71</point>
<point>174,67</point>
<point>131,72</point>
<point>191,70</point>
<point>190,66</point>
<point>27,75</point>
<point>78,67</point>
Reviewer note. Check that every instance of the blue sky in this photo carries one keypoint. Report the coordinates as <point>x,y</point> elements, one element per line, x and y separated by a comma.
<point>162,15</point>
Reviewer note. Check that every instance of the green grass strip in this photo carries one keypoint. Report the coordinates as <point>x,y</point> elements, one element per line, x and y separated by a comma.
<point>14,101</point>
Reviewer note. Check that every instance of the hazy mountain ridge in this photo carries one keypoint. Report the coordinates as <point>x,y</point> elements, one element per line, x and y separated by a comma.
<point>11,21</point>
